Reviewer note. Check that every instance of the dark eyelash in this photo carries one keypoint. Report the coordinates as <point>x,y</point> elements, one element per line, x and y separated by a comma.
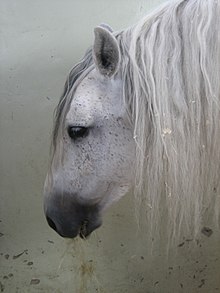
<point>76,132</point>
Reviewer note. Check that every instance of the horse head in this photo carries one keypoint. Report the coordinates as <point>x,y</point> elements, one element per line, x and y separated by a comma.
<point>96,145</point>
<point>141,112</point>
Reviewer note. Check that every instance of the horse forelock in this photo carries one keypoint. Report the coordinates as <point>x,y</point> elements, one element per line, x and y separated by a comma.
<point>77,73</point>
<point>170,70</point>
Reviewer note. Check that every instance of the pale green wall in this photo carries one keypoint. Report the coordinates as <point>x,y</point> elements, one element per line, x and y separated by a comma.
<point>39,42</point>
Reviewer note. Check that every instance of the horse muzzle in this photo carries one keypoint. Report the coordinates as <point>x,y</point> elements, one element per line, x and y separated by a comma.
<point>70,219</point>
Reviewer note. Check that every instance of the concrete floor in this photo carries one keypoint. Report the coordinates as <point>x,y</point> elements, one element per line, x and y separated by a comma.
<point>39,42</point>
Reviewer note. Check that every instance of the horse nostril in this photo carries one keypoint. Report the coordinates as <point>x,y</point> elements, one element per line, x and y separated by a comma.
<point>51,223</point>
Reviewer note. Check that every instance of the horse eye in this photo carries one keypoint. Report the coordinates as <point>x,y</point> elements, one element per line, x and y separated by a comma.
<point>76,132</point>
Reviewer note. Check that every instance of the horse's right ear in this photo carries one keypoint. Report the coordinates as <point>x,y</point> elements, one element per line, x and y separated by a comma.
<point>106,52</point>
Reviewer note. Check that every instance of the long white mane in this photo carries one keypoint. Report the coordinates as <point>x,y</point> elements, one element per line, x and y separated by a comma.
<point>171,82</point>
<point>170,70</point>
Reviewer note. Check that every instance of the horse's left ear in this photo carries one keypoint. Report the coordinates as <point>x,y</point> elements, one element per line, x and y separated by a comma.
<point>106,52</point>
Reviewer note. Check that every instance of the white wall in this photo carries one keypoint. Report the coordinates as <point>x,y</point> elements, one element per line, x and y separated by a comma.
<point>39,42</point>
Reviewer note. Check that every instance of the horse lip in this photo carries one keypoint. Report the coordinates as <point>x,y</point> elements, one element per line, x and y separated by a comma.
<point>83,229</point>
<point>87,228</point>
<point>67,235</point>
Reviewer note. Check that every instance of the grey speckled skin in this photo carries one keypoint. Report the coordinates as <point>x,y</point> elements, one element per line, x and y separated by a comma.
<point>97,169</point>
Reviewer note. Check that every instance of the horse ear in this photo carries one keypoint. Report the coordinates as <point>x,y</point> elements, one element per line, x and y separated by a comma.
<point>106,52</point>
<point>107,27</point>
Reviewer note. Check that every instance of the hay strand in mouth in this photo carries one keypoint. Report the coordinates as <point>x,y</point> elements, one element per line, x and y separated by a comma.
<point>84,268</point>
